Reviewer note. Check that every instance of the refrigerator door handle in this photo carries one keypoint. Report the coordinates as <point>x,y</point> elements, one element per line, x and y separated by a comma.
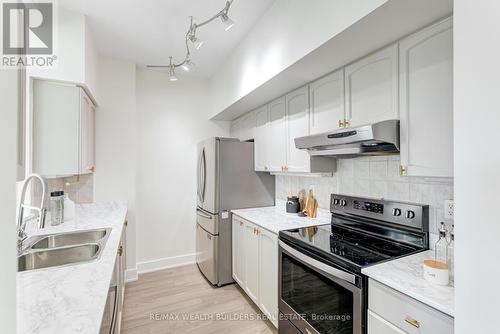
<point>203,175</point>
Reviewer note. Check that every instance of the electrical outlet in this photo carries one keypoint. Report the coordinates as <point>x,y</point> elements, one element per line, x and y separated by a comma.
<point>449,209</point>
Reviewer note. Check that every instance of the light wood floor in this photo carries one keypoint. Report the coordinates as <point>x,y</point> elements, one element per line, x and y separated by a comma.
<point>184,292</point>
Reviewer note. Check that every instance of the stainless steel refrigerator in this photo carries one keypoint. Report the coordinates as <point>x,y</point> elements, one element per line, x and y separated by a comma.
<point>226,180</point>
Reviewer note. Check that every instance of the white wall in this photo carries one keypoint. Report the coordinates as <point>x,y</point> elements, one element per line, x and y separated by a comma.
<point>171,120</point>
<point>8,173</point>
<point>477,165</point>
<point>288,31</point>
<point>116,158</point>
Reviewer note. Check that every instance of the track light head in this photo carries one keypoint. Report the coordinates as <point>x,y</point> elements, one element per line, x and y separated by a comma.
<point>196,41</point>
<point>226,21</point>
<point>172,76</point>
<point>188,65</point>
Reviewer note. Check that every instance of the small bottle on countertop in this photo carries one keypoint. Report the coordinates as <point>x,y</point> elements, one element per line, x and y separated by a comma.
<point>450,253</point>
<point>56,207</point>
<point>441,246</point>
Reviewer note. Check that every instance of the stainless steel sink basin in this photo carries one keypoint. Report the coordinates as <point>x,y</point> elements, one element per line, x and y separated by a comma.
<point>60,249</point>
<point>58,256</point>
<point>70,238</point>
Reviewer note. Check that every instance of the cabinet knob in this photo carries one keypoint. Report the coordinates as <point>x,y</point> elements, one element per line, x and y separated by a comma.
<point>120,250</point>
<point>125,222</point>
<point>91,169</point>
<point>341,123</point>
<point>412,322</point>
<point>346,123</point>
<point>241,223</point>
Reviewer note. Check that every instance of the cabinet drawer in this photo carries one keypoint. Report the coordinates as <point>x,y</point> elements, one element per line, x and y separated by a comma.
<point>397,308</point>
<point>378,325</point>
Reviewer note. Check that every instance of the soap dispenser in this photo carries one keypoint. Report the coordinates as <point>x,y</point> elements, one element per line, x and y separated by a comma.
<point>441,246</point>
<point>450,253</point>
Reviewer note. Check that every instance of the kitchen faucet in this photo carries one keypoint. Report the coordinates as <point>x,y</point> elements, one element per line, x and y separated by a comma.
<point>21,224</point>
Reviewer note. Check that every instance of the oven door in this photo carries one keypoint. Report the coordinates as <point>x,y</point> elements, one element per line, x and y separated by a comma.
<point>318,297</point>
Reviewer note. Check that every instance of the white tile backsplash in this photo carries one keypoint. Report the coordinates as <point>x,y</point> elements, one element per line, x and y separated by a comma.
<point>374,177</point>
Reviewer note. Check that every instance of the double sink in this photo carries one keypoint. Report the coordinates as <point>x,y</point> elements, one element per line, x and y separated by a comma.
<point>62,249</point>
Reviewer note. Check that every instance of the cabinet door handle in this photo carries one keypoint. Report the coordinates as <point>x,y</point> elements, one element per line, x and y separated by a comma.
<point>346,123</point>
<point>402,170</point>
<point>341,123</point>
<point>412,322</point>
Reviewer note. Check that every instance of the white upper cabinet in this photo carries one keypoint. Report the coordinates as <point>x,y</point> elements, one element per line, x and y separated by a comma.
<point>372,88</point>
<point>261,132</point>
<point>243,127</point>
<point>426,99</point>
<point>87,134</point>
<point>297,120</point>
<point>327,102</point>
<point>277,140</point>
<point>63,135</point>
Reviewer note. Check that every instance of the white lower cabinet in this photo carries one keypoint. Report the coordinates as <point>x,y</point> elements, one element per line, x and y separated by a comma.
<point>238,239</point>
<point>255,265</point>
<point>268,272</point>
<point>251,262</point>
<point>391,312</point>
<point>378,325</point>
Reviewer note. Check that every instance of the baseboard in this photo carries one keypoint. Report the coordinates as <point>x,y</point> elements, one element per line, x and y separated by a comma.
<point>165,263</point>
<point>131,275</point>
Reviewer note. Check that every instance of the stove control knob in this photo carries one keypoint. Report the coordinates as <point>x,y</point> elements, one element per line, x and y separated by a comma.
<point>410,214</point>
<point>396,212</point>
<point>343,202</point>
<point>336,201</point>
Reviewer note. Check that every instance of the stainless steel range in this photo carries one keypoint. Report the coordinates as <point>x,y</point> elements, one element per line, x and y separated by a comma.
<point>321,287</point>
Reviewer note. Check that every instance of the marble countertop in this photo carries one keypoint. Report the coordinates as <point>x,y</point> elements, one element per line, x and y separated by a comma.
<point>275,218</point>
<point>71,299</point>
<point>406,276</point>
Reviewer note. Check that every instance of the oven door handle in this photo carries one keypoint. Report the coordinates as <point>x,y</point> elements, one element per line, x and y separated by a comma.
<point>319,265</point>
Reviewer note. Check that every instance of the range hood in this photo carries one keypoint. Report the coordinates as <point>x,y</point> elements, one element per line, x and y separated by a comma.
<point>380,138</point>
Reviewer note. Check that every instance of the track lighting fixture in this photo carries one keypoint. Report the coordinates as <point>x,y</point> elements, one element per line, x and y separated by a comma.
<point>187,64</point>
<point>227,22</point>
<point>197,43</point>
<point>172,76</point>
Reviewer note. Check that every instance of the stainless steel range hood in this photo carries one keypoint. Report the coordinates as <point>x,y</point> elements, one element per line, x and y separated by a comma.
<point>380,138</point>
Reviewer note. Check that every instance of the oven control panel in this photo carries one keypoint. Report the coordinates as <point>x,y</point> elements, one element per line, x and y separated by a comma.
<point>400,213</point>
<point>368,206</point>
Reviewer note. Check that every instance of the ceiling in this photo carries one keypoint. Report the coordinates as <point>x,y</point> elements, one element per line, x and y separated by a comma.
<point>147,32</point>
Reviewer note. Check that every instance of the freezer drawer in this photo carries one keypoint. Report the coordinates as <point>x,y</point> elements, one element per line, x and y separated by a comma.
<point>206,253</point>
<point>208,221</point>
